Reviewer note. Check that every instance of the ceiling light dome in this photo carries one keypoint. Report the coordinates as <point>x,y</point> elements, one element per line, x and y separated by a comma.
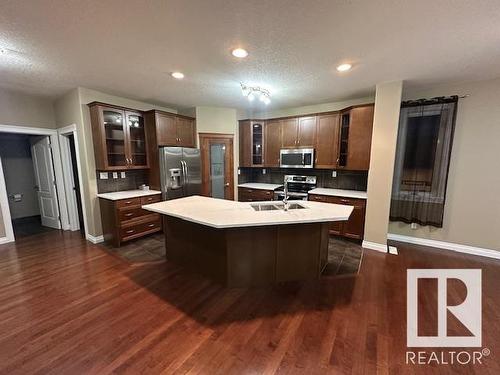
<point>177,75</point>
<point>239,53</point>
<point>344,67</point>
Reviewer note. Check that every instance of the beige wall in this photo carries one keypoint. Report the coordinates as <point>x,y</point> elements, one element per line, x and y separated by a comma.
<point>296,111</point>
<point>382,155</point>
<point>472,209</point>
<point>220,120</point>
<point>24,110</point>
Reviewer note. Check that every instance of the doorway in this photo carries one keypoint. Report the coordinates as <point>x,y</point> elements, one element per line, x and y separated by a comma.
<point>29,176</point>
<point>217,160</point>
<point>68,141</point>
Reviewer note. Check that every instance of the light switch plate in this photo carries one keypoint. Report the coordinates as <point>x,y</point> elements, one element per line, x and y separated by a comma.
<point>103,175</point>
<point>264,171</point>
<point>334,173</point>
<point>115,174</point>
<point>122,174</point>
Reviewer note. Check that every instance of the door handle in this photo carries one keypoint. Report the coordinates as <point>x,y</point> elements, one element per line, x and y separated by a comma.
<point>226,184</point>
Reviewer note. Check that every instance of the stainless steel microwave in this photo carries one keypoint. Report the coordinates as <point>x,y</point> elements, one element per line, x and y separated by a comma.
<point>297,158</point>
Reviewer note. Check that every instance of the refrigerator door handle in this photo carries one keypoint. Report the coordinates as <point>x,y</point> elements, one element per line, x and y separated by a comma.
<point>186,176</point>
<point>184,172</point>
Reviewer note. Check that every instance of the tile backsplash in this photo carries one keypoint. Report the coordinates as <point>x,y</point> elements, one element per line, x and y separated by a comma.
<point>132,180</point>
<point>349,180</point>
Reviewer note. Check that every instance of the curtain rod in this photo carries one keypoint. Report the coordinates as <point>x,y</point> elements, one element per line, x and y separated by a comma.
<point>435,100</point>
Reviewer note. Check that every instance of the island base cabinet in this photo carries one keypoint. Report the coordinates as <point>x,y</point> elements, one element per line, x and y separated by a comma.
<point>248,256</point>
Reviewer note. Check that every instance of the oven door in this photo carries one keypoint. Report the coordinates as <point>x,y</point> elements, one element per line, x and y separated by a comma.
<point>297,158</point>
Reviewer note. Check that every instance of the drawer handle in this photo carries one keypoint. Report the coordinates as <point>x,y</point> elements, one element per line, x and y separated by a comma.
<point>130,231</point>
<point>151,225</point>
<point>345,200</point>
<point>128,202</point>
<point>129,214</point>
<point>150,199</point>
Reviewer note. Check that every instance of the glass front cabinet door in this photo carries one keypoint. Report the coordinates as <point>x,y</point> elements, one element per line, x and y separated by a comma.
<point>119,138</point>
<point>137,140</point>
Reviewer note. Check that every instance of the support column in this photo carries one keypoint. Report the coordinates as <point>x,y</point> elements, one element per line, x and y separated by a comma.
<point>382,157</point>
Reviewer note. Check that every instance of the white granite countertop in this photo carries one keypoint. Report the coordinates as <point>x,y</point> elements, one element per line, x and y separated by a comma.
<point>220,213</point>
<point>260,186</point>
<point>340,193</point>
<point>127,194</point>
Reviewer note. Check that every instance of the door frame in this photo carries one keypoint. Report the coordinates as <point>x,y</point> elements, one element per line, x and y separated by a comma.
<point>67,167</point>
<point>58,171</point>
<point>205,170</point>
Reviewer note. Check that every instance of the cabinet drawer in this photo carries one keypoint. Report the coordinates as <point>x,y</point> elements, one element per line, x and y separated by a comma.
<point>125,214</point>
<point>348,201</point>
<point>254,195</point>
<point>137,229</point>
<point>317,198</point>
<point>128,202</point>
<point>150,199</point>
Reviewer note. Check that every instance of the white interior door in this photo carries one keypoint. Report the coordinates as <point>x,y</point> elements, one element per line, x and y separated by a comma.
<point>45,182</point>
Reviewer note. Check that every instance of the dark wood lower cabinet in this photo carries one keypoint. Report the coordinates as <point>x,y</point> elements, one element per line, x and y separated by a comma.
<point>124,219</point>
<point>254,195</point>
<point>354,227</point>
<point>248,256</point>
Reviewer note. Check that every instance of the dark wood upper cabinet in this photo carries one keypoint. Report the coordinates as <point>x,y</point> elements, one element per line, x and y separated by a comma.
<point>186,131</point>
<point>289,131</point>
<point>272,142</point>
<point>119,137</point>
<point>251,140</point>
<point>341,140</point>
<point>166,129</point>
<point>245,142</point>
<point>356,127</point>
<point>327,141</point>
<point>306,136</point>
<point>171,129</point>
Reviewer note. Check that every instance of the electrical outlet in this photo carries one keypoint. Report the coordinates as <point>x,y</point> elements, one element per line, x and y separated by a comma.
<point>122,174</point>
<point>334,173</point>
<point>239,171</point>
<point>264,171</point>
<point>103,175</point>
<point>115,174</point>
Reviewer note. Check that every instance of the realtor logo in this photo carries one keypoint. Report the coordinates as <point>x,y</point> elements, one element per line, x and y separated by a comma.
<point>468,312</point>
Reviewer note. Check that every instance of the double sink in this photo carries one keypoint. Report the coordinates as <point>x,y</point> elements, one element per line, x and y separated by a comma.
<point>276,206</point>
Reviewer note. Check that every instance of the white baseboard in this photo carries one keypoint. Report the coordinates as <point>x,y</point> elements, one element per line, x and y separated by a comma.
<point>4,240</point>
<point>375,246</point>
<point>489,253</point>
<point>95,239</point>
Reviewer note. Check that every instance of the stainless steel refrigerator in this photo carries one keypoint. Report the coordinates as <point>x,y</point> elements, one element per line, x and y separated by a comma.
<point>180,171</point>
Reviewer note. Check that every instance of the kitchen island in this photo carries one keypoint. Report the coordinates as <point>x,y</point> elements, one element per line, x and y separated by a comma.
<point>240,244</point>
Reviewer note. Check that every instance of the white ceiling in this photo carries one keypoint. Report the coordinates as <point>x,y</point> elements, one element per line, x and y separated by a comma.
<point>128,47</point>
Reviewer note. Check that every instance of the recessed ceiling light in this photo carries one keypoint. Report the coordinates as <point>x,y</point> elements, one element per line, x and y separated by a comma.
<point>344,67</point>
<point>239,52</point>
<point>177,75</point>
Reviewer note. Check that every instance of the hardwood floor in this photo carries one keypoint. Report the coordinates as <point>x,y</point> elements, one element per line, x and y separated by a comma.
<point>69,307</point>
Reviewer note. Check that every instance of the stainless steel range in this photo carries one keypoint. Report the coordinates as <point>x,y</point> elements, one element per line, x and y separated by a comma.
<point>298,186</point>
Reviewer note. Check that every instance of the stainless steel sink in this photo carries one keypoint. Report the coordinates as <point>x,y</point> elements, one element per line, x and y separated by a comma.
<point>276,206</point>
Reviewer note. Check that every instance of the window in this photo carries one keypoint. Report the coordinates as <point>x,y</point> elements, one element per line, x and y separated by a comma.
<point>422,159</point>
